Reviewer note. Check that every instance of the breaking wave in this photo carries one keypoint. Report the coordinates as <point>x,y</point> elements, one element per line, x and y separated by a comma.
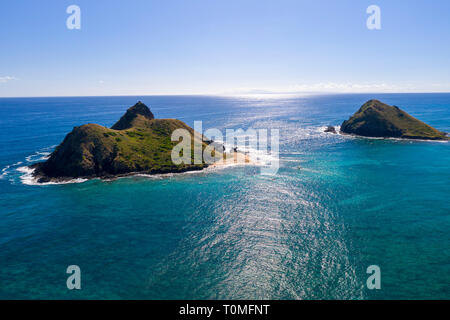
<point>28,179</point>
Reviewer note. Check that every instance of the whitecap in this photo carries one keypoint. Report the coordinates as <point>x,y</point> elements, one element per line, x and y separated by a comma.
<point>5,170</point>
<point>28,179</point>
<point>38,156</point>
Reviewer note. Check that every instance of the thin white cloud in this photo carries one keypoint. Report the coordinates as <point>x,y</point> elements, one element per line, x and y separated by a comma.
<point>372,87</point>
<point>6,79</point>
<point>345,87</point>
<point>334,87</point>
<point>328,87</point>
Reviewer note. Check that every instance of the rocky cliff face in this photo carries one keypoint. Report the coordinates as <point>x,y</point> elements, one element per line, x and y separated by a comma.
<point>377,119</point>
<point>136,143</point>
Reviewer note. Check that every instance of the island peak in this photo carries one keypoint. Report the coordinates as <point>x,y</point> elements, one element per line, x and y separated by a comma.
<point>134,112</point>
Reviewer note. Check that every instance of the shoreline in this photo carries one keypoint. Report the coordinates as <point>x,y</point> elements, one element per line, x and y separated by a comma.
<point>239,158</point>
<point>343,134</point>
<point>351,135</point>
<point>30,178</point>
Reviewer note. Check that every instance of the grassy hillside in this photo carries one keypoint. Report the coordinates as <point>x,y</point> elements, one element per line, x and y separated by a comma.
<point>92,150</point>
<point>377,119</point>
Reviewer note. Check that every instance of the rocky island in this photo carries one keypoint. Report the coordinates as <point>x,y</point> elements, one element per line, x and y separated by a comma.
<point>330,129</point>
<point>137,143</point>
<point>377,119</point>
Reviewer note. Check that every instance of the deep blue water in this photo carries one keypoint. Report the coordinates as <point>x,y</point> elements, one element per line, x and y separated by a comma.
<point>336,206</point>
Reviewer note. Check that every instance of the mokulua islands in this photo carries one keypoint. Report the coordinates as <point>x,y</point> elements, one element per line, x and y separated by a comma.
<point>140,143</point>
<point>378,120</point>
<point>137,143</point>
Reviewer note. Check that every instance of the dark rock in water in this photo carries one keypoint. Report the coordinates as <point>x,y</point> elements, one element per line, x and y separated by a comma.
<point>136,143</point>
<point>330,129</point>
<point>377,119</point>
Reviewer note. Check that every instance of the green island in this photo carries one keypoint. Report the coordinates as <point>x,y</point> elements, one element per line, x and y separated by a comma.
<point>377,119</point>
<point>137,143</point>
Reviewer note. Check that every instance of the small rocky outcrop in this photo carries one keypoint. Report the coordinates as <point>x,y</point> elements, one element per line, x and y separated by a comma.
<point>330,129</point>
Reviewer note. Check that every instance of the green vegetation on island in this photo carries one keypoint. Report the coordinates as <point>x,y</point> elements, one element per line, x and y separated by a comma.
<point>137,143</point>
<point>377,119</point>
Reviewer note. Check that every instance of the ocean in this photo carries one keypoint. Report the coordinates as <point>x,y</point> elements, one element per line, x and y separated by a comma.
<point>337,205</point>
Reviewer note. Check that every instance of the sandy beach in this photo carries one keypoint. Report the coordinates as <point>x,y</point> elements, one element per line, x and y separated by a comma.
<point>235,158</point>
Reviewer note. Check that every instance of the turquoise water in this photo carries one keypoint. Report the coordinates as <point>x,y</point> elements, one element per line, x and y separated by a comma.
<point>231,233</point>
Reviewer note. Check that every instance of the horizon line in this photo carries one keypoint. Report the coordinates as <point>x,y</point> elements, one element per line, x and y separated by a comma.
<point>223,94</point>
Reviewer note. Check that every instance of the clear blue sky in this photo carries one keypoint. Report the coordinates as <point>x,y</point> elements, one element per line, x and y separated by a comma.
<point>222,46</point>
